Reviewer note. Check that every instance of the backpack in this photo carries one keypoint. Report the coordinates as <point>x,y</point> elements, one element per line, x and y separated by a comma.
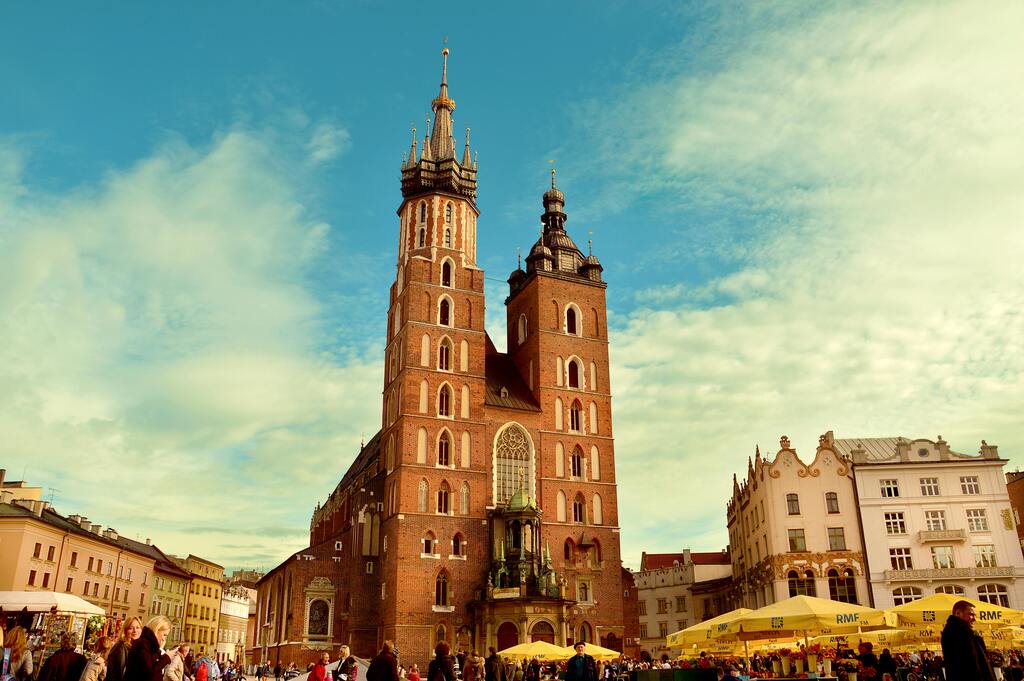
<point>202,674</point>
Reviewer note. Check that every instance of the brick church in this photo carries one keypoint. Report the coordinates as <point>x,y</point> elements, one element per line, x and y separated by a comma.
<point>484,511</point>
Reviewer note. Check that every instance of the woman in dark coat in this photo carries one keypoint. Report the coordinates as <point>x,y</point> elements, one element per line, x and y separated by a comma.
<point>117,659</point>
<point>441,667</point>
<point>147,658</point>
<point>384,667</point>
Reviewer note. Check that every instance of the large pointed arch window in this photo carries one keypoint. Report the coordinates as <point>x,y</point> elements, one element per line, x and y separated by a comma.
<point>512,452</point>
<point>579,509</point>
<point>446,273</point>
<point>444,494</point>
<point>444,401</point>
<point>441,589</point>
<point>576,463</point>
<point>576,417</point>
<point>444,355</point>
<point>444,312</point>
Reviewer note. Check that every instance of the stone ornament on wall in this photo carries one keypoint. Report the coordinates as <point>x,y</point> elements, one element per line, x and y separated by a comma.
<point>318,623</point>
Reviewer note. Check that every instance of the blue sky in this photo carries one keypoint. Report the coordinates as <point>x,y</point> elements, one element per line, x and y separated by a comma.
<point>809,219</point>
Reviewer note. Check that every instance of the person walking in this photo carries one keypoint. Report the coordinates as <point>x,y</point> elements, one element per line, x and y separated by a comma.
<point>319,672</point>
<point>494,670</point>
<point>277,671</point>
<point>175,671</point>
<point>147,658</point>
<point>442,667</point>
<point>64,665</point>
<point>96,667</point>
<point>20,663</point>
<point>581,667</point>
<point>117,658</point>
<point>384,665</point>
<point>964,654</point>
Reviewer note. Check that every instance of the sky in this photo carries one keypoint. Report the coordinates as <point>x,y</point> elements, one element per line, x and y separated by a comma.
<point>810,215</point>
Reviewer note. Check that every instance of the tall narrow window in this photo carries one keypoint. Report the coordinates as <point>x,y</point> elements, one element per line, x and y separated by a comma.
<point>522,328</point>
<point>423,212</point>
<point>842,587</point>
<point>792,504</point>
<point>571,321</point>
<point>422,494</point>
<point>464,499</point>
<point>578,509</point>
<point>576,416</point>
<point>574,374</point>
<point>576,463</point>
<point>446,273</point>
<point>443,498</point>
<point>444,355</point>
<point>457,543</point>
<point>447,237</point>
<point>448,214</point>
<point>444,450</point>
<point>423,238</point>
<point>441,590</point>
<point>832,502</point>
<point>444,401</point>
<point>444,313</point>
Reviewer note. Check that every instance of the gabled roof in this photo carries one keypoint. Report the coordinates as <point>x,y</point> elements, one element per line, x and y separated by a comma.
<point>505,387</point>
<point>660,561</point>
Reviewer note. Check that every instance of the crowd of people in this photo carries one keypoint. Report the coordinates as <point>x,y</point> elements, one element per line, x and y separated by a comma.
<point>137,653</point>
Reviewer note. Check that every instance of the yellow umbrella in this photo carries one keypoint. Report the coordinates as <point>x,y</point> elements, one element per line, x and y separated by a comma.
<point>542,650</point>
<point>887,638</point>
<point>806,614</point>
<point>595,651</point>
<point>1004,638</point>
<point>932,611</point>
<point>703,631</point>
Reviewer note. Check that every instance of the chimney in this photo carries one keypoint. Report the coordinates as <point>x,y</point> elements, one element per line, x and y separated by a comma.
<point>6,496</point>
<point>83,523</point>
<point>148,542</point>
<point>95,529</point>
<point>3,476</point>
<point>110,533</point>
<point>75,518</point>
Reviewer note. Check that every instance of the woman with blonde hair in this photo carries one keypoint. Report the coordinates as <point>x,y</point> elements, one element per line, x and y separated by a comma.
<point>117,658</point>
<point>147,658</point>
<point>21,659</point>
<point>96,667</point>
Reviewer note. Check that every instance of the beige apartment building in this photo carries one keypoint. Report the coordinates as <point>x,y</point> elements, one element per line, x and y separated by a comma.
<point>169,589</point>
<point>674,591</point>
<point>202,607</point>
<point>43,550</point>
<point>234,621</point>
<point>935,521</point>
<point>794,529</point>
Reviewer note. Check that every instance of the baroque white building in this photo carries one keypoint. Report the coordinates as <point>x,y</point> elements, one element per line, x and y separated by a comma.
<point>935,520</point>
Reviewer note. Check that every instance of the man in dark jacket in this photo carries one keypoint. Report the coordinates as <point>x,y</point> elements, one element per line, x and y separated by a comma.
<point>65,664</point>
<point>581,667</point>
<point>494,668</point>
<point>963,651</point>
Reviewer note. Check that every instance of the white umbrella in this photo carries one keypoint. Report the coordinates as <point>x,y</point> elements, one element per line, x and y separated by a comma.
<point>44,601</point>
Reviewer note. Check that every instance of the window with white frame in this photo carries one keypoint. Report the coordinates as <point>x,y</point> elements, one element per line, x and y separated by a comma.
<point>977,521</point>
<point>951,589</point>
<point>935,521</point>
<point>578,509</point>
<point>797,541</point>
<point>890,488</point>
<point>984,555</point>
<point>836,539</point>
<point>895,523</point>
<point>899,558</point>
<point>930,487</point>
<point>905,594</point>
<point>831,502</point>
<point>942,558</point>
<point>792,504</point>
<point>512,461</point>
<point>969,484</point>
<point>994,594</point>
<point>576,417</point>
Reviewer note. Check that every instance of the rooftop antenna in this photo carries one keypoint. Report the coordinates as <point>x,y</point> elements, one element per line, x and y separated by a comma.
<point>52,490</point>
<point>590,242</point>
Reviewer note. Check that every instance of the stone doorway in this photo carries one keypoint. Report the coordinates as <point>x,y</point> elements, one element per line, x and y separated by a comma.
<point>542,631</point>
<point>508,635</point>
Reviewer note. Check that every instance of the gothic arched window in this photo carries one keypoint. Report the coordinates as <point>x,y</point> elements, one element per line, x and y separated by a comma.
<point>423,212</point>
<point>572,320</point>
<point>444,312</point>
<point>567,549</point>
<point>319,618</point>
<point>579,512</point>
<point>512,462</point>
<point>464,499</point>
<point>576,417</point>
<point>444,401</point>
<point>576,463</point>
<point>448,214</point>
<point>458,544</point>
<point>444,355</point>
<point>423,238</point>
<point>441,589</point>
<point>574,374</point>
<point>422,494</point>
<point>446,273</point>
<point>443,498</point>
<point>444,450</point>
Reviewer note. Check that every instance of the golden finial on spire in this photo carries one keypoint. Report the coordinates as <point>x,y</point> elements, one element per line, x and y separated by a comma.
<point>552,162</point>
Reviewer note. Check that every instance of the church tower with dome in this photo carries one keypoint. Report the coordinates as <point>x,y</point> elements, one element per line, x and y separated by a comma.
<point>484,512</point>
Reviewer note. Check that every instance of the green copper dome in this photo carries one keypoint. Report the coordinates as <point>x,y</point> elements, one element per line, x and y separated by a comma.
<point>521,501</point>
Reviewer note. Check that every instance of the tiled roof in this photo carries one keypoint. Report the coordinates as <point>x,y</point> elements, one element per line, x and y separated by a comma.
<point>161,560</point>
<point>874,447</point>
<point>660,561</point>
<point>501,372</point>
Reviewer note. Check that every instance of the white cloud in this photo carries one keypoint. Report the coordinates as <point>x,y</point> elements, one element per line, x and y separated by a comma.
<point>882,294</point>
<point>160,356</point>
<point>327,142</point>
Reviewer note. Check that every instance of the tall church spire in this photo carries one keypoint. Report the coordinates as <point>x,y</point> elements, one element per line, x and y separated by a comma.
<point>441,141</point>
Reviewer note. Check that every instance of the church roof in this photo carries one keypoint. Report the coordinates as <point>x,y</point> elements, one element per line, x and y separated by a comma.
<point>505,387</point>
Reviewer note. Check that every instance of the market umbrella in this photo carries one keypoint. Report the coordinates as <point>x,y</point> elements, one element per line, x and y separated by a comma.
<point>884,637</point>
<point>805,614</point>
<point>44,601</point>
<point>702,632</point>
<point>595,651</point>
<point>932,611</point>
<point>1004,638</point>
<point>542,650</point>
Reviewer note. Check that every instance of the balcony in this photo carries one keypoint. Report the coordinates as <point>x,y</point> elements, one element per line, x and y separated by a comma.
<point>948,573</point>
<point>925,536</point>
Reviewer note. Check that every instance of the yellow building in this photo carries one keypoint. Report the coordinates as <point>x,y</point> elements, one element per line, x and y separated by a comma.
<point>43,550</point>
<point>202,606</point>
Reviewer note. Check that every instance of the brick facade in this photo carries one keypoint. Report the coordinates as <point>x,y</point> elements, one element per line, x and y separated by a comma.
<point>423,539</point>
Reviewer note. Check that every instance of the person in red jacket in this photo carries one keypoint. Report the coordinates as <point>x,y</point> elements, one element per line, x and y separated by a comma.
<point>319,672</point>
<point>202,672</point>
